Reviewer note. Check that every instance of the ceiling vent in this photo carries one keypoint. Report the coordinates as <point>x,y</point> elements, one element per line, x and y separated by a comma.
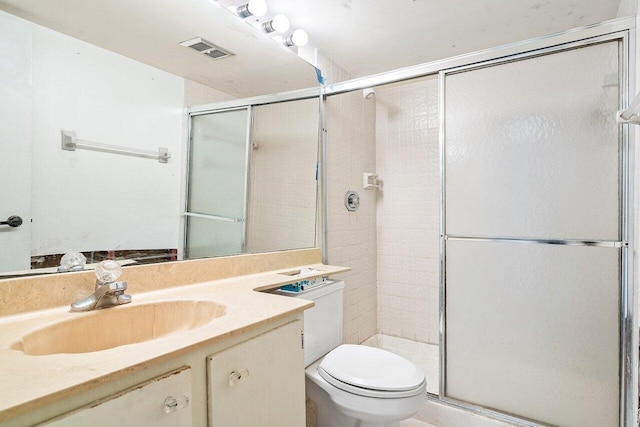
<point>207,48</point>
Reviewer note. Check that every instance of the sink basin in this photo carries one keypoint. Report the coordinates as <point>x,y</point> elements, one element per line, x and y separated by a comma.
<point>116,326</point>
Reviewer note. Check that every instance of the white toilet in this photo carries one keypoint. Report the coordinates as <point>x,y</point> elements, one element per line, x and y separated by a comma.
<point>354,385</point>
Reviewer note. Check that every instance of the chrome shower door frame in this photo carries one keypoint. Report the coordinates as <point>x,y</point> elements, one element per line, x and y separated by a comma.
<point>186,212</point>
<point>627,300</point>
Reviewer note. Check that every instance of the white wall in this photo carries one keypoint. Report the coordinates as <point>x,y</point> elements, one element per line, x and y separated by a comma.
<point>627,8</point>
<point>88,200</point>
<point>15,142</point>
<point>407,161</point>
<point>95,200</point>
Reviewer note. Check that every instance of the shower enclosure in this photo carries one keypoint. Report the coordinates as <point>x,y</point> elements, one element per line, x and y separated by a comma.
<point>535,233</point>
<point>536,289</point>
<point>502,235</point>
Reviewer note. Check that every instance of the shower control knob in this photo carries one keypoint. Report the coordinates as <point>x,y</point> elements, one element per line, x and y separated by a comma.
<point>351,201</point>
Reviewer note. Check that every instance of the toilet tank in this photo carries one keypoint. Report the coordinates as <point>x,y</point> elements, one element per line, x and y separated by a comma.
<point>323,322</point>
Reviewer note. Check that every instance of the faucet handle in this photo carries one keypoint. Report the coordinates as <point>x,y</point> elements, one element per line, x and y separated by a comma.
<point>108,271</point>
<point>117,288</point>
<point>72,261</point>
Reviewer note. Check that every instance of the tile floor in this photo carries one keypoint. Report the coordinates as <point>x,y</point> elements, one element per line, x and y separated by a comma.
<point>433,413</point>
<point>411,422</point>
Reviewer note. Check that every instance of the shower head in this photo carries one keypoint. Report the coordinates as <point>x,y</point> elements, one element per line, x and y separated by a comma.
<point>368,93</point>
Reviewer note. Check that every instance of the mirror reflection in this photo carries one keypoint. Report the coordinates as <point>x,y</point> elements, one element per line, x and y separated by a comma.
<point>253,192</point>
<point>110,204</point>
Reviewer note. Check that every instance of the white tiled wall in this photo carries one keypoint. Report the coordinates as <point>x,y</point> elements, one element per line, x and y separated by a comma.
<point>197,94</point>
<point>282,193</point>
<point>391,242</point>
<point>331,70</point>
<point>352,235</point>
<point>407,161</point>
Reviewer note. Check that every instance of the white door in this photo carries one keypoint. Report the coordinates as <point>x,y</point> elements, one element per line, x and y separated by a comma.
<point>260,382</point>
<point>15,143</point>
<point>533,248</point>
<point>217,193</point>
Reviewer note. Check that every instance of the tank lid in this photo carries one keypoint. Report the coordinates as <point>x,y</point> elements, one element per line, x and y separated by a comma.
<point>372,368</point>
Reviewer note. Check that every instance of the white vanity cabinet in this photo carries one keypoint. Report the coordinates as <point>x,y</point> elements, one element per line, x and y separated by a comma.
<point>160,402</point>
<point>259,382</point>
<point>254,378</point>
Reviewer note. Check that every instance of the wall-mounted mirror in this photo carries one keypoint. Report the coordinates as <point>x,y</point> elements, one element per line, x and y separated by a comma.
<point>252,179</point>
<point>117,86</point>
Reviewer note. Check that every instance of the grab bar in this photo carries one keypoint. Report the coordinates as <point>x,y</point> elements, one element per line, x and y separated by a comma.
<point>70,143</point>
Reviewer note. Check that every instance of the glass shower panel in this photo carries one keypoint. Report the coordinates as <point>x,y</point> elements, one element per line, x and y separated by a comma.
<point>210,237</point>
<point>532,329</point>
<point>532,153</point>
<point>218,163</point>
<point>532,147</point>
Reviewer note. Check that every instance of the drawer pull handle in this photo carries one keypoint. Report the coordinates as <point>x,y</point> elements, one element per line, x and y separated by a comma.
<point>173,404</point>
<point>236,376</point>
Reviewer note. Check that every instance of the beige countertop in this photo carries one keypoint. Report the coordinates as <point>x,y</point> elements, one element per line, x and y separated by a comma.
<point>30,382</point>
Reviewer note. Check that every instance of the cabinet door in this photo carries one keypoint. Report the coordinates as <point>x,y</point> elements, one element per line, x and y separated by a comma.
<point>142,405</point>
<point>260,382</point>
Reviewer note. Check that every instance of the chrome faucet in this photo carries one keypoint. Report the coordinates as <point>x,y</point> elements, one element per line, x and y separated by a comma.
<point>107,291</point>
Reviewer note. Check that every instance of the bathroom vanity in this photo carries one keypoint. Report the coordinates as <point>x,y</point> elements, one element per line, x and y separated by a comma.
<point>212,352</point>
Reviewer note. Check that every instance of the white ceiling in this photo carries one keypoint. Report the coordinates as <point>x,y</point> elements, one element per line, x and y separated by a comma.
<point>150,31</point>
<point>371,36</point>
<point>363,36</point>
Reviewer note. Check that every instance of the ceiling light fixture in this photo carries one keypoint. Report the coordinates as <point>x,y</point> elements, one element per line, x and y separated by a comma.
<point>279,23</point>
<point>255,8</point>
<point>298,38</point>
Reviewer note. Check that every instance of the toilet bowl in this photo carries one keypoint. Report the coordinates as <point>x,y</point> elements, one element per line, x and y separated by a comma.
<point>354,385</point>
<point>359,386</point>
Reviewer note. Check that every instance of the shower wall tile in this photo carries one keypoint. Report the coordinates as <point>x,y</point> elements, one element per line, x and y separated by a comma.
<point>196,94</point>
<point>407,161</point>
<point>352,235</point>
<point>282,202</point>
<point>331,70</point>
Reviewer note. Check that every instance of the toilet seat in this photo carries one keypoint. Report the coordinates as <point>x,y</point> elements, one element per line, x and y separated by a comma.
<point>371,372</point>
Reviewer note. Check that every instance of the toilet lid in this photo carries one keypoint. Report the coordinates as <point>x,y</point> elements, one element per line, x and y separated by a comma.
<point>372,368</point>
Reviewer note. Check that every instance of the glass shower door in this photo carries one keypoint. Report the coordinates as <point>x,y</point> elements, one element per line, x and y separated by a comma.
<point>217,190</point>
<point>533,236</point>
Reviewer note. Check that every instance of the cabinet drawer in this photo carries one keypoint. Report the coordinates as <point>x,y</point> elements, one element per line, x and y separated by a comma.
<point>162,401</point>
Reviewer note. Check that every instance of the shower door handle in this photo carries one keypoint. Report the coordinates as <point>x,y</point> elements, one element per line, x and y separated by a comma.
<point>12,221</point>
